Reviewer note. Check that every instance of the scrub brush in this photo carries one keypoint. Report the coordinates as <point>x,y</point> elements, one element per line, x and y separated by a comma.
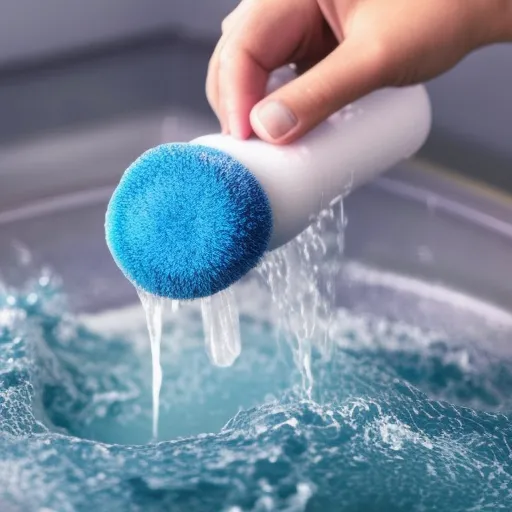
<point>188,220</point>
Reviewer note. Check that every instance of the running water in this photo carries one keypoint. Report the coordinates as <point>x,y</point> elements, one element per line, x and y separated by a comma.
<point>221,333</point>
<point>302,277</point>
<point>302,286</point>
<point>153,308</point>
<point>221,326</point>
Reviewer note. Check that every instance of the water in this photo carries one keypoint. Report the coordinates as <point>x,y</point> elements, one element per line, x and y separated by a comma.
<point>301,277</point>
<point>400,418</point>
<point>294,278</point>
<point>221,334</point>
<point>221,328</point>
<point>326,408</point>
<point>153,308</point>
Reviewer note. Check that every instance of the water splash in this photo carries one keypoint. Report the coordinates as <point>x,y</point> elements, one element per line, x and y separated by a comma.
<point>153,308</point>
<point>396,406</point>
<point>301,277</point>
<point>302,280</point>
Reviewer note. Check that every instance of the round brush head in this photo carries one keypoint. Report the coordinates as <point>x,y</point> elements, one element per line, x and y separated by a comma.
<point>187,221</point>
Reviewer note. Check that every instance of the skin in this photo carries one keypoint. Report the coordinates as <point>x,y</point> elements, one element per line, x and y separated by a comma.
<point>342,49</point>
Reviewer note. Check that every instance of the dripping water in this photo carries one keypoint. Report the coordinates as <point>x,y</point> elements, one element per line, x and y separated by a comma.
<point>301,277</point>
<point>221,331</point>
<point>221,327</point>
<point>153,307</point>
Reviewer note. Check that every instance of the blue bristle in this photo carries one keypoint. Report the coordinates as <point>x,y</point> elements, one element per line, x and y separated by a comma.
<point>187,221</point>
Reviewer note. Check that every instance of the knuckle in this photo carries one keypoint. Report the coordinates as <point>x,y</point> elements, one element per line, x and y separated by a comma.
<point>226,23</point>
<point>229,21</point>
<point>381,60</point>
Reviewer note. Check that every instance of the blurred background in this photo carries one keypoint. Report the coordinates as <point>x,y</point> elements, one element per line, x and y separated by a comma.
<point>85,87</point>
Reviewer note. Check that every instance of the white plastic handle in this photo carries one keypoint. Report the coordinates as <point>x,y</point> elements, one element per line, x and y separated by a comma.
<point>350,148</point>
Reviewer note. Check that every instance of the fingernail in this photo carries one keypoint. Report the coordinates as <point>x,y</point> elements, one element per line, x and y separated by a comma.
<point>276,119</point>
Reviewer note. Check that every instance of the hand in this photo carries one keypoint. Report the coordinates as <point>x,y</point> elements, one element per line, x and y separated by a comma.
<point>344,49</point>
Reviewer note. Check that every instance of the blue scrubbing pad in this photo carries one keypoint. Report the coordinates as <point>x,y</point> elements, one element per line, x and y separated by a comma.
<point>187,221</point>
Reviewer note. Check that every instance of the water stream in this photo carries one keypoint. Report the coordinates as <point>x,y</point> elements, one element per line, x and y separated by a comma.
<point>295,275</point>
<point>153,309</point>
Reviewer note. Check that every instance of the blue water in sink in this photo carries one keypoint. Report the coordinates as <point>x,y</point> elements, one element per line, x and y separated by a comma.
<point>396,420</point>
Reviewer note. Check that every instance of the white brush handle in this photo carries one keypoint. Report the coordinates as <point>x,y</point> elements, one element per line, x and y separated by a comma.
<point>350,148</point>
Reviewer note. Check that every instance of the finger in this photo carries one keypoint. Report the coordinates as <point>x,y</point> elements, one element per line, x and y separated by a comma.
<point>268,35</point>
<point>328,41</point>
<point>235,15</point>
<point>351,71</point>
<point>242,82</point>
<point>212,77</point>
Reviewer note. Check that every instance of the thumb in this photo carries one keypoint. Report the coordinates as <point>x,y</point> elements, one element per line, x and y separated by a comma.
<point>351,71</point>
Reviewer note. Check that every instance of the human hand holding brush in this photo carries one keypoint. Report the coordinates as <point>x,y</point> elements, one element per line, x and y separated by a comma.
<point>189,220</point>
<point>343,50</point>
